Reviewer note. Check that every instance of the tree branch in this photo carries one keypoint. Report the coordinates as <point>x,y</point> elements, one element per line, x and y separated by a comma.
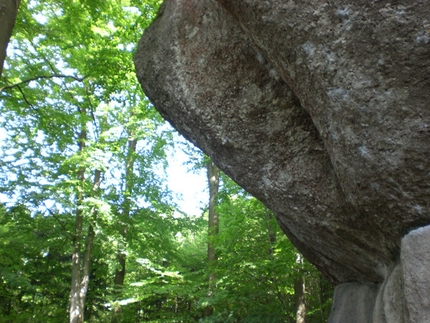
<point>7,87</point>
<point>60,222</point>
<point>24,97</point>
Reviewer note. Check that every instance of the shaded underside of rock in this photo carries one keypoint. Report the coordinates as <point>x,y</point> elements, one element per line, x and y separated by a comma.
<point>319,109</point>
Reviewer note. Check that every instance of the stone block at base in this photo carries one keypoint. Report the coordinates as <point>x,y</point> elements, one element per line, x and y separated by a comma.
<point>415,257</point>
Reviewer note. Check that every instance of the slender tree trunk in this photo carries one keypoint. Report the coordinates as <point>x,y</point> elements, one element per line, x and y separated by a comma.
<point>76,309</point>
<point>81,266</point>
<point>126,208</point>
<point>8,12</point>
<point>213,174</point>
<point>300,298</point>
<point>119,282</point>
<point>86,266</point>
<point>271,236</point>
<point>120,272</point>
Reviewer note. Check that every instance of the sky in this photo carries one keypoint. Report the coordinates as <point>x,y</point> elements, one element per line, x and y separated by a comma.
<point>191,184</point>
<point>189,187</point>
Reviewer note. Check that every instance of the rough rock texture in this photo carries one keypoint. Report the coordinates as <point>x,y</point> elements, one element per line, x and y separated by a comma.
<point>318,108</point>
<point>403,297</point>
<point>8,12</point>
<point>415,256</point>
<point>353,302</point>
<point>390,304</point>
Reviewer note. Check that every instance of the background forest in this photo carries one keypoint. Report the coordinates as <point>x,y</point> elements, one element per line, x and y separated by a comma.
<point>89,230</point>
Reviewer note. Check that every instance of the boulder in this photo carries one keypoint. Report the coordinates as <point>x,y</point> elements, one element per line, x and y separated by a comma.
<point>317,108</point>
<point>415,257</point>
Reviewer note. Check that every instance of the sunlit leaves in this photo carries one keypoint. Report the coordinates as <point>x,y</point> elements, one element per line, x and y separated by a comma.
<point>72,108</point>
<point>34,267</point>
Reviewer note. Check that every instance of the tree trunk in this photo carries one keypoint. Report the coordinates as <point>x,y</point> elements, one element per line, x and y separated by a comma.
<point>81,267</point>
<point>126,207</point>
<point>76,309</point>
<point>119,284</point>
<point>8,12</point>
<point>124,217</point>
<point>271,236</point>
<point>213,174</point>
<point>86,266</point>
<point>300,298</point>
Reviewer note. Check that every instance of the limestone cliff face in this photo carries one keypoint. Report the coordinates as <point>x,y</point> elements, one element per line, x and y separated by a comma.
<point>318,108</point>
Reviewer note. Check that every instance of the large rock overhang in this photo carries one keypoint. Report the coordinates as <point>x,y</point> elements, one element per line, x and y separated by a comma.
<point>319,109</point>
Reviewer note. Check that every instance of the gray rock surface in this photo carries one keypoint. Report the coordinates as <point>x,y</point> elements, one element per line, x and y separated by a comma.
<point>415,256</point>
<point>390,304</point>
<point>318,108</point>
<point>8,12</point>
<point>353,303</point>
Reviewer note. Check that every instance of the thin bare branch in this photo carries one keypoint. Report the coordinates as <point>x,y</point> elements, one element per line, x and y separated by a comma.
<point>7,87</point>
<point>67,231</point>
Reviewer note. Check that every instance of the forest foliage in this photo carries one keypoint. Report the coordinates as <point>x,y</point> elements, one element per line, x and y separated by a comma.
<point>87,213</point>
